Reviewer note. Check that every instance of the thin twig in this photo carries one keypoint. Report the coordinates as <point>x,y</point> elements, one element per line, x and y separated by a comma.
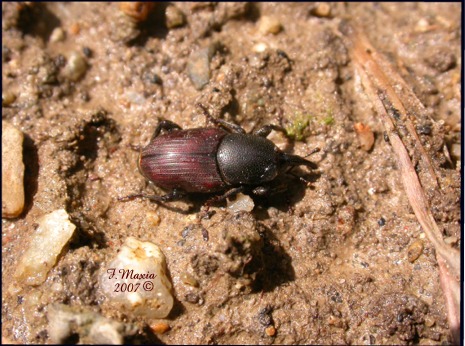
<point>378,78</point>
<point>375,64</point>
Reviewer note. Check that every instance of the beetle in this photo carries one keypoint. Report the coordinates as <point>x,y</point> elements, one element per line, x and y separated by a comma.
<point>212,160</point>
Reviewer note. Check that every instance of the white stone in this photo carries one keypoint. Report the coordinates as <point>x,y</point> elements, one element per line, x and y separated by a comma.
<point>241,203</point>
<point>269,25</point>
<point>12,171</point>
<point>148,297</point>
<point>259,47</point>
<point>76,67</point>
<point>92,328</point>
<point>52,234</point>
<point>57,35</point>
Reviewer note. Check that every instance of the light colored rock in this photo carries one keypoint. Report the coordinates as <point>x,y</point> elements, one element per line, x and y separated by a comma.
<point>12,171</point>
<point>269,25</point>
<point>136,280</point>
<point>174,17</point>
<point>259,47</point>
<point>76,67</point>
<point>241,203</point>
<point>8,97</point>
<point>365,136</point>
<point>64,321</point>
<point>323,9</point>
<point>57,35</point>
<point>456,151</point>
<point>415,250</point>
<point>137,10</point>
<point>52,234</point>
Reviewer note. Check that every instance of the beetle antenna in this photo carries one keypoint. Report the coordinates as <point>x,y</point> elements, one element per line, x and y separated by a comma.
<point>313,152</point>
<point>295,160</point>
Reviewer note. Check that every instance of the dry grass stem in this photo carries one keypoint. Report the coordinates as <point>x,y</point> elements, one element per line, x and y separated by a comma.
<point>396,104</point>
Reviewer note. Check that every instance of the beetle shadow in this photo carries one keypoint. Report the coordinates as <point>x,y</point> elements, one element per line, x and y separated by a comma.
<point>191,204</point>
<point>37,20</point>
<point>287,190</point>
<point>277,269</point>
<point>31,172</point>
<point>178,308</point>
<point>145,336</point>
<point>87,233</point>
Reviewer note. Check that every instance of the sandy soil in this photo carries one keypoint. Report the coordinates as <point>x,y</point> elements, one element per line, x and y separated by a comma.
<point>340,261</point>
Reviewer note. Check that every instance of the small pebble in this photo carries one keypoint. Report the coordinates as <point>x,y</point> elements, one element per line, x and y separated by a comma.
<point>260,47</point>
<point>192,298</point>
<point>58,35</point>
<point>68,322</point>
<point>75,67</point>
<point>8,97</point>
<point>124,28</point>
<point>429,321</point>
<point>75,29</point>
<point>335,321</point>
<point>139,270</point>
<point>87,52</point>
<point>269,25</point>
<point>198,66</point>
<point>174,17</point>
<point>12,171</point>
<point>323,9</point>
<point>422,25</point>
<point>270,331</point>
<point>415,250</point>
<point>365,136</point>
<point>47,242</point>
<point>451,240</point>
<point>153,218</point>
<point>188,279</point>
<point>424,129</point>
<point>441,60</point>
<point>137,10</point>
<point>456,151</point>
<point>6,53</point>
<point>345,222</point>
<point>160,327</point>
<point>241,203</point>
<point>382,222</point>
<point>151,77</point>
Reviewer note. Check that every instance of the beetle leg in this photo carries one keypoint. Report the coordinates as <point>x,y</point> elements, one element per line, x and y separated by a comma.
<point>172,196</point>
<point>301,179</point>
<point>261,191</point>
<point>264,191</point>
<point>265,130</point>
<point>165,125</point>
<point>222,197</point>
<point>219,122</point>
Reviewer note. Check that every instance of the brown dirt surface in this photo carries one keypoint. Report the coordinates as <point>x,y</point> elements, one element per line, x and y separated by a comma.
<point>342,260</point>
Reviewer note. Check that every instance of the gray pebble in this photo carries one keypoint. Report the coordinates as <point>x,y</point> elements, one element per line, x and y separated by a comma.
<point>76,67</point>
<point>198,66</point>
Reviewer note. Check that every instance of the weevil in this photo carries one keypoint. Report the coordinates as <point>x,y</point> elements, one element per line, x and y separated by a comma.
<point>223,159</point>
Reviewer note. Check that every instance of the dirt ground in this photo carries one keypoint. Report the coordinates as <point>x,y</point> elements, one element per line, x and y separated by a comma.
<point>340,261</point>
